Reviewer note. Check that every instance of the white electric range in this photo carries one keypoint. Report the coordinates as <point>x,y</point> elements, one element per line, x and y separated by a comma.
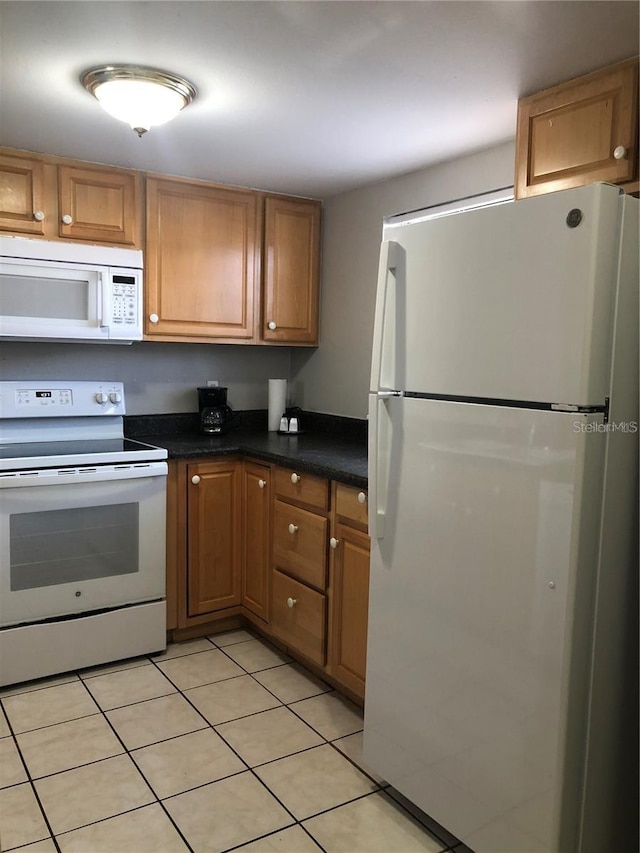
<point>82,524</point>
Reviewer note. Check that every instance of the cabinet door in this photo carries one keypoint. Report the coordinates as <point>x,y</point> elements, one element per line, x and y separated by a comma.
<point>567,136</point>
<point>201,261</point>
<point>99,205</point>
<point>349,607</point>
<point>255,540</point>
<point>291,270</point>
<point>22,207</point>
<point>213,530</point>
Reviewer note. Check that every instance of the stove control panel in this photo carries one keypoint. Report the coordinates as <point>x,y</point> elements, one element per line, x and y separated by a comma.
<point>49,399</point>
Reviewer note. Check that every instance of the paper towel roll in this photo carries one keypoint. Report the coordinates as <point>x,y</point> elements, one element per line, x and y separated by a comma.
<point>277,402</point>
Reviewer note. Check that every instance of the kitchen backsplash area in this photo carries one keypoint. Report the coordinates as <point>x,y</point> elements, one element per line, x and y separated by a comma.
<point>159,378</point>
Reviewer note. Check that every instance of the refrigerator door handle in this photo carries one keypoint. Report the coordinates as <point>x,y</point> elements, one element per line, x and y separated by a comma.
<point>379,462</point>
<point>383,360</point>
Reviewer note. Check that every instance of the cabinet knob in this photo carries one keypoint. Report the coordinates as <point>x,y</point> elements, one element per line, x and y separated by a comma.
<point>195,479</point>
<point>362,498</point>
<point>67,219</point>
<point>619,152</point>
<point>262,484</point>
<point>38,215</point>
<point>295,478</point>
<point>334,542</point>
<point>153,318</point>
<point>291,602</point>
<point>272,325</point>
<point>293,528</point>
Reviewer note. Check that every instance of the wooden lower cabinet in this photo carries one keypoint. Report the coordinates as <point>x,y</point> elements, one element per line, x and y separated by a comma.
<point>231,556</point>
<point>299,617</point>
<point>213,536</point>
<point>348,615</point>
<point>256,537</point>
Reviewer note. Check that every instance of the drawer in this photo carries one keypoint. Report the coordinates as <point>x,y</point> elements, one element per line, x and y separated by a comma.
<point>300,541</point>
<point>302,488</point>
<point>351,503</point>
<point>299,617</point>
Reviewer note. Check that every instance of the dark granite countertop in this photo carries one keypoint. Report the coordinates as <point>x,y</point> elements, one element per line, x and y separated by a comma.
<point>340,454</point>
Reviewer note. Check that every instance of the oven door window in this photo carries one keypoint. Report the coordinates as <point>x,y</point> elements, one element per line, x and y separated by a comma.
<point>70,545</point>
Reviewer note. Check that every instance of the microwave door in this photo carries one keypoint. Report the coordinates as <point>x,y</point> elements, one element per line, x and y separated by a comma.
<point>52,300</point>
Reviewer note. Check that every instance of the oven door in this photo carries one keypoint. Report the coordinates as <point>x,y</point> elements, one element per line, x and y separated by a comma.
<point>77,540</point>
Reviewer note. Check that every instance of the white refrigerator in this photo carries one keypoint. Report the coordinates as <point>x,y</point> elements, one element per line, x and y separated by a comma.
<point>503,472</point>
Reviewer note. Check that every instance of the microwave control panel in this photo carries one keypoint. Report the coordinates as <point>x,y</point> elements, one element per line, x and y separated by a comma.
<point>126,291</point>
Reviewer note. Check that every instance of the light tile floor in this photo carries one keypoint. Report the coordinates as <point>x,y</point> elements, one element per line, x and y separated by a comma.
<point>218,744</point>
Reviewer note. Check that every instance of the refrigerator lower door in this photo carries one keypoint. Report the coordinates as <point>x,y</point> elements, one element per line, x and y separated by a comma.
<point>480,623</point>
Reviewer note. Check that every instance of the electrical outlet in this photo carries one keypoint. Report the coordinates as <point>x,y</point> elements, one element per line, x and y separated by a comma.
<point>212,383</point>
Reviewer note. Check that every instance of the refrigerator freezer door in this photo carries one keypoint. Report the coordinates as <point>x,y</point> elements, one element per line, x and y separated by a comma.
<point>481,593</point>
<point>512,302</point>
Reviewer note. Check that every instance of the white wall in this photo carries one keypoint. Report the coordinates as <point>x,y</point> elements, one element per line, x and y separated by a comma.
<point>335,377</point>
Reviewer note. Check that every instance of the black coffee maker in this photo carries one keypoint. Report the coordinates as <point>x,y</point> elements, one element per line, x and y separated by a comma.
<point>214,412</point>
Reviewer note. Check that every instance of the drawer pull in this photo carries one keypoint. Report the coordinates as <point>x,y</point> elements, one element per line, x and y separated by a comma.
<point>262,484</point>
<point>334,542</point>
<point>361,497</point>
<point>291,602</point>
<point>295,478</point>
<point>195,479</point>
<point>293,528</point>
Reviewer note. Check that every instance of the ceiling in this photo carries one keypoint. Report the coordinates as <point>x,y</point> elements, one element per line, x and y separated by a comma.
<point>309,98</point>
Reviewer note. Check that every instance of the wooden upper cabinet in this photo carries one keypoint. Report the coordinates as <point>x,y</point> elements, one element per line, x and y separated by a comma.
<point>98,205</point>
<point>49,197</point>
<point>291,270</point>
<point>582,131</point>
<point>201,261</point>
<point>22,195</point>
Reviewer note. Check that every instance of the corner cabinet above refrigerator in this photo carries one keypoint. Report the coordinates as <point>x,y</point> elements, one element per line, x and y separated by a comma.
<point>502,507</point>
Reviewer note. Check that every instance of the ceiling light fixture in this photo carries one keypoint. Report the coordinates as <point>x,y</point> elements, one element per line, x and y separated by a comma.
<point>143,97</point>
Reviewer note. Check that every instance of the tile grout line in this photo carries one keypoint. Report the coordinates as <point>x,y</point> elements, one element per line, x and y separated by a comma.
<point>31,784</point>
<point>252,770</point>
<point>126,752</point>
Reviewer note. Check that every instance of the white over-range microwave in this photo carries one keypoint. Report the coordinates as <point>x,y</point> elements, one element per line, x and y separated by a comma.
<point>65,292</point>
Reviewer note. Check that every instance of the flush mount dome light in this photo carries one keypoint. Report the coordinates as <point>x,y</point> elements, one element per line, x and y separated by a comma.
<point>143,97</point>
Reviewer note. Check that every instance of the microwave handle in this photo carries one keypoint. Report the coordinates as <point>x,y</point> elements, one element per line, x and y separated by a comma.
<point>102,301</point>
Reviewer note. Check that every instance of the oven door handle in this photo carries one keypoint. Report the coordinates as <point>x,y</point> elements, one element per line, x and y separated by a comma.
<point>82,474</point>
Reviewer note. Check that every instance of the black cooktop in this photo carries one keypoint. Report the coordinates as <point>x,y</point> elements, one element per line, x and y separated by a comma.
<point>81,452</point>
